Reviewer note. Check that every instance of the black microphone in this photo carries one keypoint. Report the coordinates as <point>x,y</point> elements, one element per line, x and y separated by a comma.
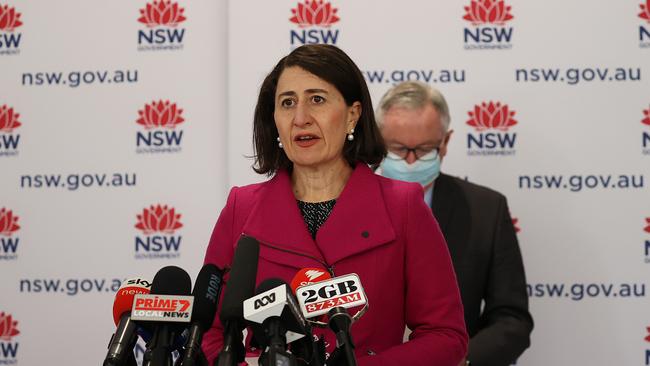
<point>207,289</point>
<point>169,280</point>
<point>240,287</point>
<point>277,310</point>
<point>340,322</point>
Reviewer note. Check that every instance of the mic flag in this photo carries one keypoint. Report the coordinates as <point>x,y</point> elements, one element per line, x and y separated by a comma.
<point>343,291</point>
<point>277,302</point>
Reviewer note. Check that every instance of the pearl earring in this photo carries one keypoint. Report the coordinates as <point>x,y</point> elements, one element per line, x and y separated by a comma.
<point>279,143</point>
<point>351,135</point>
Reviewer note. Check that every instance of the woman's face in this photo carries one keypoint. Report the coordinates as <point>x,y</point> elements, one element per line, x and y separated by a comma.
<point>312,118</point>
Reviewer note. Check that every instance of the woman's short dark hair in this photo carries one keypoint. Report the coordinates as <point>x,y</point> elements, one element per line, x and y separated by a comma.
<point>334,66</point>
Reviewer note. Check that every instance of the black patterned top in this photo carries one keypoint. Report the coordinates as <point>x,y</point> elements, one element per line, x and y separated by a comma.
<point>315,214</point>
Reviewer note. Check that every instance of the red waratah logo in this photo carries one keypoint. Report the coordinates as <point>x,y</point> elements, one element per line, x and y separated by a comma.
<point>159,218</point>
<point>9,18</point>
<point>488,11</point>
<point>7,327</point>
<point>646,113</point>
<point>160,114</point>
<point>647,221</point>
<point>8,119</point>
<point>491,116</point>
<point>645,11</point>
<point>647,338</point>
<point>162,13</point>
<point>8,222</point>
<point>314,12</point>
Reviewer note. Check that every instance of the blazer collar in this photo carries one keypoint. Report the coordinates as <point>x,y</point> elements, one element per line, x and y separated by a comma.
<point>358,222</point>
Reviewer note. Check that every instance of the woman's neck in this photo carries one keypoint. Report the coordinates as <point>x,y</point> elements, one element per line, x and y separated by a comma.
<point>322,183</point>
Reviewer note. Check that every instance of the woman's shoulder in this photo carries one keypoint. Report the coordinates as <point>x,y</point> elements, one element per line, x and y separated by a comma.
<point>398,189</point>
<point>247,193</point>
<point>390,188</point>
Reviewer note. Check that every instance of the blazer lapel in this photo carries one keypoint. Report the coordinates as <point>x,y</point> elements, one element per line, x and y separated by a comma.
<point>275,220</point>
<point>359,221</point>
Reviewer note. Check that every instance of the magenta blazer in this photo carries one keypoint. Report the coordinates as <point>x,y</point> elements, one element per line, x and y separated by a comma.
<point>380,229</point>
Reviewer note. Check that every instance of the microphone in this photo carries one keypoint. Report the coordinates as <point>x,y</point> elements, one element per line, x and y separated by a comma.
<point>340,322</point>
<point>343,291</point>
<point>207,289</point>
<point>274,301</point>
<point>308,276</point>
<point>167,303</point>
<point>120,347</point>
<point>240,287</point>
<point>333,297</point>
<point>310,349</point>
<point>276,309</point>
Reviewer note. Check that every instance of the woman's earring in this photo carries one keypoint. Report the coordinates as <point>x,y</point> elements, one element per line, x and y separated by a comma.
<point>351,135</point>
<point>280,143</point>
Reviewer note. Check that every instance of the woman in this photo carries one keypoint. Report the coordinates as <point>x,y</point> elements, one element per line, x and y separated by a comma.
<point>315,134</point>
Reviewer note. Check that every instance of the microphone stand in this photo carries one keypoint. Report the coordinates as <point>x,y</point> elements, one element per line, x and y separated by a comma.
<point>233,351</point>
<point>277,351</point>
<point>340,322</point>
<point>200,360</point>
<point>159,348</point>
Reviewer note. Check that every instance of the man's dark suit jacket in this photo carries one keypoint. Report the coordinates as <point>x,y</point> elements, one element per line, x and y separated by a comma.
<point>483,245</point>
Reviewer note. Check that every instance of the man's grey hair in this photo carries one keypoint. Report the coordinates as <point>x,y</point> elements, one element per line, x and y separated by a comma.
<point>414,95</point>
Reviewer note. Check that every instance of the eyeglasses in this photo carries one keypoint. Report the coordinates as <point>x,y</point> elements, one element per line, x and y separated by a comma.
<point>400,152</point>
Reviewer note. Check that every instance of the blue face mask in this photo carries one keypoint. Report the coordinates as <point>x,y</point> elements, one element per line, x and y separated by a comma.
<point>424,170</point>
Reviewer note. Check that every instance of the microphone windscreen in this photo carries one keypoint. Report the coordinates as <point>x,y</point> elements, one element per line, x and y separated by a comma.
<point>125,294</point>
<point>269,284</point>
<point>241,284</point>
<point>307,276</point>
<point>207,289</point>
<point>171,280</point>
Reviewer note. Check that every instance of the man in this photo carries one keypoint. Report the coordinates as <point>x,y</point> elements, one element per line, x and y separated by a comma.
<point>414,121</point>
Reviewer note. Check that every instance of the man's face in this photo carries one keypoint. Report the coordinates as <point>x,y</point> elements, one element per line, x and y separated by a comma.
<point>420,129</point>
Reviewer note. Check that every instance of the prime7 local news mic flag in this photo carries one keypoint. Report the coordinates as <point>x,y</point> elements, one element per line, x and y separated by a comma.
<point>162,308</point>
<point>131,304</point>
<point>165,315</point>
<point>196,311</point>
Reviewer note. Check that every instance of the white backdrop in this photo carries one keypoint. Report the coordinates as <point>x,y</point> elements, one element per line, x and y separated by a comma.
<point>81,237</point>
<point>576,175</point>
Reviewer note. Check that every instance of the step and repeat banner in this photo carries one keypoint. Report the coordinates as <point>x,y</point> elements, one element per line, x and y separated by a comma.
<point>549,103</point>
<point>112,161</point>
<point>123,125</point>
